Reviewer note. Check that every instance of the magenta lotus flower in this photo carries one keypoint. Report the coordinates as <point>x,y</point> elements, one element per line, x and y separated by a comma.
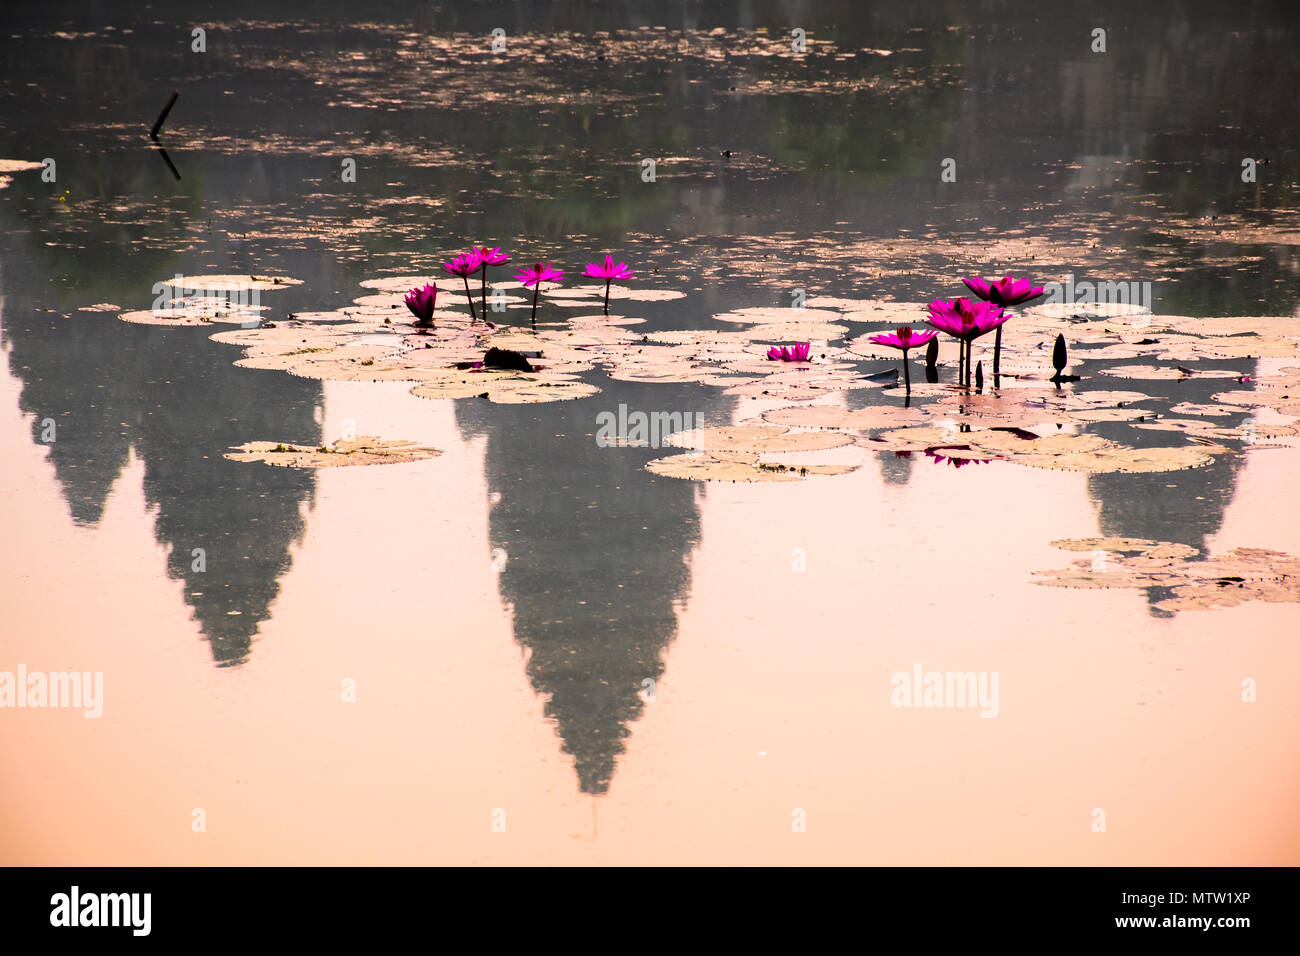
<point>794,353</point>
<point>966,321</point>
<point>541,272</point>
<point>492,257</point>
<point>534,276</point>
<point>1007,291</point>
<point>464,266</point>
<point>904,338</point>
<point>488,257</point>
<point>609,272</point>
<point>420,302</point>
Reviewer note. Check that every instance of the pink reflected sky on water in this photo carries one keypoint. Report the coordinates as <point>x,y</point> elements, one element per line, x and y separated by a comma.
<point>775,696</point>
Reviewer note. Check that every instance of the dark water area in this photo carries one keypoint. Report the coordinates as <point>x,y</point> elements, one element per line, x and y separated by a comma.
<point>1115,166</point>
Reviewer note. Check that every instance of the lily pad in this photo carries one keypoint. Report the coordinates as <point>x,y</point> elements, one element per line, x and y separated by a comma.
<point>755,439</point>
<point>1238,576</point>
<point>231,283</point>
<point>362,450</point>
<point>834,416</point>
<point>737,467</point>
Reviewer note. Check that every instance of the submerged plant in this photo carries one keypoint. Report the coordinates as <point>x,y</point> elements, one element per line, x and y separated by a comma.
<point>1004,292</point>
<point>793,353</point>
<point>420,302</point>
<point>609,272</point>
<point>488,257</point>
<point>464,266</point>
<point>904,338</point>
<point>534,276</point>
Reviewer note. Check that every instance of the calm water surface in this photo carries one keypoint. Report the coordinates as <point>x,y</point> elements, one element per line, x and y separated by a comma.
<point>503,609</point>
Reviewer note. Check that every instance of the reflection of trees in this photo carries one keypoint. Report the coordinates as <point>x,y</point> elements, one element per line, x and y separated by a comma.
<point>179,403</point>
<point>244,516</point>
<point>597,558</point>
<point>1181,506</point>
<point>111,386</point>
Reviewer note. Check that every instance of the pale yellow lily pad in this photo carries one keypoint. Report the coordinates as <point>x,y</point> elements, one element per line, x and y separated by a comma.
<point>231,283</point>
<point>1232,578</point>
<point>737,467</point>
<point>755,439</point>
<point>1166,372</point>
<point>362,450</point>
<point>833,416</point>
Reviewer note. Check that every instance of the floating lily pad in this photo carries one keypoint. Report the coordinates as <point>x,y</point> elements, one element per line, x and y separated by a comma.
<point>767,315</point>
<point>195,311</point>
<point>363,450</point>
<point>1167,372</point>
<point>405,284</point>
<point>535,393</point>
<point>231,283</point>
<point>755,439</point>
<point>737,467</point>
<point>1157,549</point>
<point>1193,408</point>
<point>833,416</point>
<point>1238,576</point>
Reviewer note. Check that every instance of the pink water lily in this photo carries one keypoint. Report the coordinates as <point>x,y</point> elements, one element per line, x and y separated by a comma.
<point>609,272</point>
<point>966,321</point>
<point>794,353</point>
<point>465,265</point>
<point>904,338</point>
<point>420,302</point>
<point>534,276</point>
<point>492,257</point>
<point>1006,292</point>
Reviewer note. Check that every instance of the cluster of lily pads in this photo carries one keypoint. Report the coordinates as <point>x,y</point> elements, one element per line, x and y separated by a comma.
<point>422,301</point>
<point>797,391</point>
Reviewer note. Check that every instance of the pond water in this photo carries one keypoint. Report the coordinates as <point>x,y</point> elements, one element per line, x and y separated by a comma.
<point>530,648</point>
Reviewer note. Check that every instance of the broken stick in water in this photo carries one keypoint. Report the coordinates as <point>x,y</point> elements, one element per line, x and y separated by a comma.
<point>162,117</point>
